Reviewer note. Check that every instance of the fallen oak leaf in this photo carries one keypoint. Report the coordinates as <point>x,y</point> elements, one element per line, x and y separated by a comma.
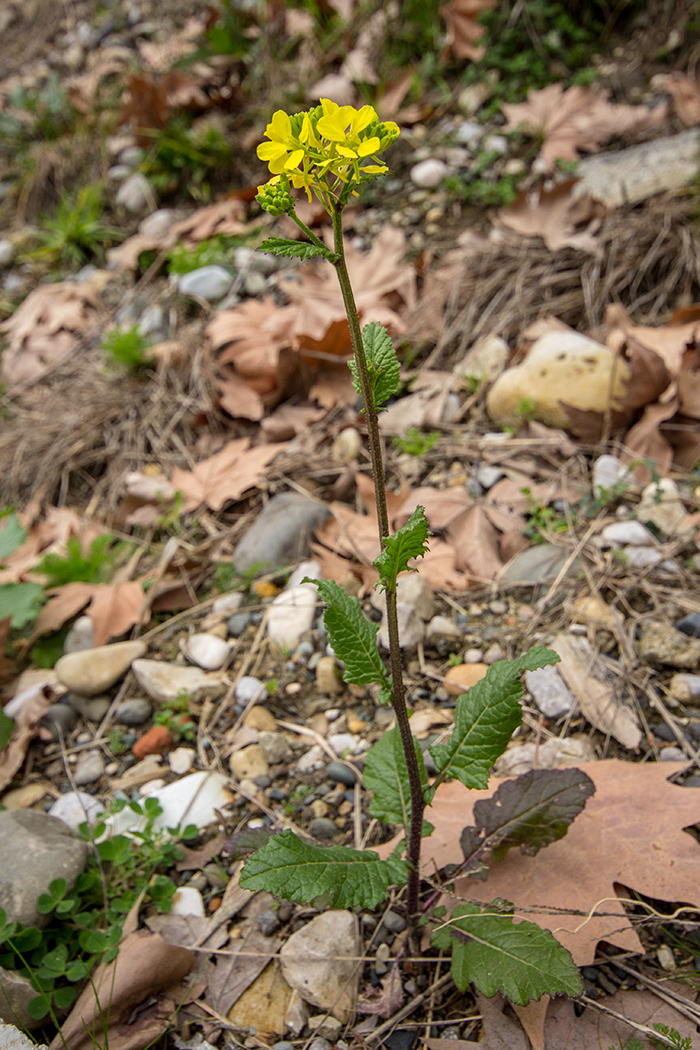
<point>226,475</point>
<point>577,118</point>
<point>463,30</point>
<point>560,219</point>
<point>114,608</point>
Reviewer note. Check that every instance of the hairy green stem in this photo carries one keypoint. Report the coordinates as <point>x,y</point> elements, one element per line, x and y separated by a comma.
<point>398,694</point>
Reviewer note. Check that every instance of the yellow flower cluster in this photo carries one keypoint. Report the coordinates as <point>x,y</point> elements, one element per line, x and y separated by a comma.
<point>326,148</point>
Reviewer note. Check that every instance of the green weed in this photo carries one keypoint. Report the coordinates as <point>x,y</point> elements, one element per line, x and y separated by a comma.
<point>20,602</point>
<point>75,566</point>
<point>127,348</point>
<point>543,520</point>
<point>415,442</point>
<point>76,232</point>
<point>219,249</point>
<point>175,716</point>
<point>187,156</point>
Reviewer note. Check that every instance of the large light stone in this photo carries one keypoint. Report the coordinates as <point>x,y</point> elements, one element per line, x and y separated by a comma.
<point>318,962</point>
<point>561,368</point>
<point>12,1039</point>
<point>291,615</point>
<point>36,849</point>
<point>163,681</point>
<point>89,672</point>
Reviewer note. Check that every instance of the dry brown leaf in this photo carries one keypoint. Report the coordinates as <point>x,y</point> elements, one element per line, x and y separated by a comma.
<point>223,217</point>
<point>645,441</point>
<point>44,329</point>
<point>685,93</point>
<point>630,833</point>
<point>162,57</point>
<point>595,697</point>
<point>289,420</point>
<point>392,95</point>
<point>250,952</point>
<point>385,1000</point>
<point>82,89</point>
<point>26,722</point>
<point>149,102</point>
<point>423,407</point>
<point>578,118</point>
<point>114,608</point>
<point>463,30</point>
<point>555,215</point>
<point>46,537</point>
<point>670,341</point>
<point>147,966</point>
<point>226,475</point>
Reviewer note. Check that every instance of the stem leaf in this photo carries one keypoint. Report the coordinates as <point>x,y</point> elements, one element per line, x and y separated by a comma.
<point>297,871</point>
<point>294,249</point>
<point>408,542</point>
<point>386,775</point>
<point>520,960</point>
<point>382,364</point>
<point>353,637</point>
<point>485,718</point>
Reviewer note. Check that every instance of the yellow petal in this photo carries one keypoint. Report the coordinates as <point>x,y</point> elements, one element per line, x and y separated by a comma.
<point>295,159</point>
<point>270,150</point>
<point>344,151</point>
<point>280,127</point>
<point>363,118</point>
<point>369,146</point>
<point>332,128</point>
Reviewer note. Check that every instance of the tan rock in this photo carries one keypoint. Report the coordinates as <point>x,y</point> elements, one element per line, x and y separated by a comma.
<point>318,962</point>
<point>29,795</point>
<point>462,677</point>
<point>261,719</point>
<point>249,763</point>
<point>263,1006</point>
<point>93,671</point>
<point>561,367</point>
<point>328,681</point>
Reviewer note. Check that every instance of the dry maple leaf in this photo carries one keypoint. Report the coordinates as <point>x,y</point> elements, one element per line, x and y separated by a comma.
<point>577,118</point>
<point>685,93</point>
<point>224,217</point>
<point>224,476</point>
<point>630,833</point>
<point>44,328</point>
<point>114,608</point>
<point>149,102</point>
<point>463,30</point>
<point>26,727</point>
<point>555,215</point>
<point>670,341</point>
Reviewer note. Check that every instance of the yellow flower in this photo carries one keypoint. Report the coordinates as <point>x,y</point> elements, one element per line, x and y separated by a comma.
<point>283,152</point>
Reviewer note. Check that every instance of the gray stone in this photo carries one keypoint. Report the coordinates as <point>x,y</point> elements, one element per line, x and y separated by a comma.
<point>276,748</point>
<point>133,712</point>
<point>495,144</point>
<point>93,671</point>
<point>536,566</point>
<point>59,720</point>
<point>80,636</point>
<point>207,650</point>
<point>685,687</point>
<point>76,808</point>
<point>661,504</point>
<point>135,194</point>
<point>627,534</point>
<point>442,629</point>
<point>394,923</point>
<point>291,615</point>
<point>411,627</point>
<point>550,692</point>
<point>206,282</point>
<point>158,223</point>
<point>247,688</point>
<point>488,476</point>
<point>662,645</point>
<point>342,773</point>
<point>16,993</point>
<point>131,156</point>
<point>93,710</point>
<point>631,175</point>
<point>236,624</point>
<point>164,681</point>
<point>119,172</point>
<point>36,849</point>
<point>318,962</point>
<point>469,133</point>
<point>152,323</point>
<point>12,1039</point>
<point>228,603</point>
<point>322,828</point>
<point>254,283</point>
<point>280,534</point>
<point>608,471</point>
<point>90,767</point>
<point>672,754</point>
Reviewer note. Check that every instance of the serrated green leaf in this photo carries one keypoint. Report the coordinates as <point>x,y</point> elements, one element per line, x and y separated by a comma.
<point>408,542</point>
<point>520,960</point>
<point>297,871</point>
<point>12,534</point>
<point>386,776</point>
<point>7,728</point>
<point>353,637</point>
<point>294,249</point>
<point>485,719</point>
<point>382,364</point>
<point>21,602</point>
<point>531,811</point>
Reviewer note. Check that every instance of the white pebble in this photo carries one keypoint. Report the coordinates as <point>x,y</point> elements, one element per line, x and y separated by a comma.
<point>428,174</point>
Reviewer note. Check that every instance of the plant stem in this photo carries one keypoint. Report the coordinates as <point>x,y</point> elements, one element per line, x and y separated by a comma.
<point>398,695</point>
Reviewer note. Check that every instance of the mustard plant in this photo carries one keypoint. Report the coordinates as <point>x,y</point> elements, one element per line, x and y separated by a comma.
<point>329,152</point>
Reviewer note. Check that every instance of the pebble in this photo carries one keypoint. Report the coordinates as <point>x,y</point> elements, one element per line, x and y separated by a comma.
<point>280,533</point>
<point>248,763</point>
<point>322,828</point>
<point>133,712</point>
<point>499,607</point>
<point>328,680</point>
<point>662,505</point>
<point>91,671</point>
<point>237,623</point>
<point>76,808</point>
<point>187,900</point>
<point>131,156</point>
<point>154,742</point>
<point>181,760</point>
<point>90,767</point>
<point>474,656</point>
<point>268,922</point>
<point>164,681</point>
<point>641,557</point>
<point>462,677</point>
<point>260,719</point>
<point>672,754</point>
<point>206,282</point>
<point>119,172</point>
<point>135,194</point>
<point>685,687</point>
<point>153,324</point>
<point>276,748</point>
<point>247,688</point>
<point>608,472</point>
<point>537,565</point>
<point>662,645</point>
<point>550,692</point>
<point>80,636</point>
<point>495,144</point>
<point>59,720</point>
<point>347,446</point>
<point>206,650</point>
<point>227,603</point>
<point>341,773</point>
<point>7,253</point>
<point>312,760</point>
<point>158,223</point>
<point>689,625</point>
<point>291,615</point>
<point>442,629</point>
<point>428,174</point>
<point>627,533</point>
<point>667,960</point>
<point>469,133</point>
<point>342,743</point>
<point>394,923</point>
